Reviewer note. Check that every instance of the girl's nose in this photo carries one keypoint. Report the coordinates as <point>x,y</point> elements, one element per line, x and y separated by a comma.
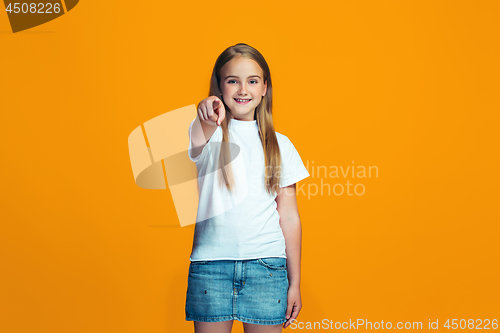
<point>243,90</point>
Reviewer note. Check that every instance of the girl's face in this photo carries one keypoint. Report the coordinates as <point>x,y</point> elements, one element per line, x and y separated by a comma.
<point>242,87</point>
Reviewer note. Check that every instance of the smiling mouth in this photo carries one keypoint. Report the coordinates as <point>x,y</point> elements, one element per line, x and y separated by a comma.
<point>242,101</point>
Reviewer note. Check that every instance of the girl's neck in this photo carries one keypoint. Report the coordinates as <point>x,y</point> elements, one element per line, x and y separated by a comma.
<point>244,117</point>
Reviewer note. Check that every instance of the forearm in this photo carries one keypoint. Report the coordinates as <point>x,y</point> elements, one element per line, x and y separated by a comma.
<point>201,132</point>
<point>292,230</point>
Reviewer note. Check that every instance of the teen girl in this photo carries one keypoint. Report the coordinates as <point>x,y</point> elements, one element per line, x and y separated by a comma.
<point>245,261</point>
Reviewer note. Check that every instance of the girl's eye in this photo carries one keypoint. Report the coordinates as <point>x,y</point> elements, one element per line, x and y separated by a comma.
<point>255,81</point>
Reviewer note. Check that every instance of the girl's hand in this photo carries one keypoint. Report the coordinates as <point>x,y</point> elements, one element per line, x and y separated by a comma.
<point>211,111</point>
<point>294,304</point>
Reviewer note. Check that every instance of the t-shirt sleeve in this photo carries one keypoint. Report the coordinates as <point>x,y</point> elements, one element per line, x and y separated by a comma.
<point>293,167</point>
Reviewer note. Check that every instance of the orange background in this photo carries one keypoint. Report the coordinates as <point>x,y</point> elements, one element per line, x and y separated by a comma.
<point>409,86</point>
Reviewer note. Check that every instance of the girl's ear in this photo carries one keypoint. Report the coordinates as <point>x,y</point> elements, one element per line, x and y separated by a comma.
<point>265,89</point>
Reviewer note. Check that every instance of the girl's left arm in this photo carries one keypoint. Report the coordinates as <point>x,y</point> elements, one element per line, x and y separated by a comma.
<point>292,231</point>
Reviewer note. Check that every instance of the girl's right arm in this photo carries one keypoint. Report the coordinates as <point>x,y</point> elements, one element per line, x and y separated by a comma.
<point>211,113</point>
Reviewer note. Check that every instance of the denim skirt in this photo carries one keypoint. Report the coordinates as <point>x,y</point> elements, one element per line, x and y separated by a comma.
<point>252,291</point>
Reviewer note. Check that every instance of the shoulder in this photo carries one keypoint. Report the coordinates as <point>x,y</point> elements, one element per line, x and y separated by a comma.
<point>284,142</point>
<point>282,139</point>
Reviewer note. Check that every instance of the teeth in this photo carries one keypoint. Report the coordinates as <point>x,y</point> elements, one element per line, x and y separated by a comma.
<point>242,100</point>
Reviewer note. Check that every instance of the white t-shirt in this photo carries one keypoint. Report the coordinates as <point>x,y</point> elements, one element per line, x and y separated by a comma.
<point>243,225</point>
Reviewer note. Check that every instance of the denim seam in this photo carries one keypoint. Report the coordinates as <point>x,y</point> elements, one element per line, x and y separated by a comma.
<point>234,285</point>
<point>271,267</point>
<point>210,319</point>
<point>259,321</point>
<point>236,317</point>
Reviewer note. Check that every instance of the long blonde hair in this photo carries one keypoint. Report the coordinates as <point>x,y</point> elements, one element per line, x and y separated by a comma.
<point>263,114</point>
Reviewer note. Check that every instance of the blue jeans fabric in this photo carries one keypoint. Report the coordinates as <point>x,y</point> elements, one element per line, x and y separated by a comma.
<point>252,291</point>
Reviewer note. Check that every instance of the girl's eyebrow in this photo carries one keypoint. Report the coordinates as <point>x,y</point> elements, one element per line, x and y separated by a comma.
<point>238,76</point>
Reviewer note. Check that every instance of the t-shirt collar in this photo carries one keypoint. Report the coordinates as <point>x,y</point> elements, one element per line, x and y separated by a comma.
<point>243,124</point>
